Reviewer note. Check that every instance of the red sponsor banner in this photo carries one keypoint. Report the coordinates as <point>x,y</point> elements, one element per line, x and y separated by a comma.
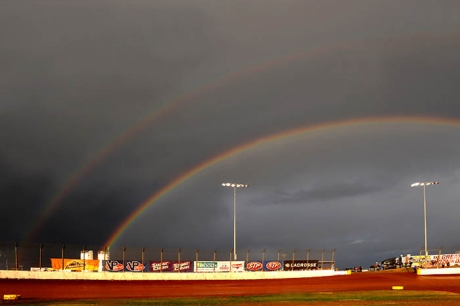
<point>160,266</point>
<point>170,266</point>
<point>272,265</point>
<point>183,266</point>
<point>254,266</point>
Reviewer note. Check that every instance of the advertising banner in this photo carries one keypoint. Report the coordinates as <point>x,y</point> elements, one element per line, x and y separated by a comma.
<point>418,260</point>
<point>254,266</point>
<point>130,266</point>
<point>268,265</point>
<point>296,265</point>
<point>205,266</point>
<point>75,264</point>
<point>160,266</point>
<point>184,266</point>
<point>448,259</point>
<point>230,266</point>
<point>135,266</point>
<point>272,265</point>
<point>436,260</point>
<point>171,266</point>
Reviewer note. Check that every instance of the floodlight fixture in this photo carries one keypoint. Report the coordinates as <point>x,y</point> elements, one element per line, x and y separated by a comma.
<point>424,184</point>
<point>234,186</point>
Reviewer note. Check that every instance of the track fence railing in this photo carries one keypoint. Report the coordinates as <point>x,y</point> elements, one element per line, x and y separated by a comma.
<point>26,256</point>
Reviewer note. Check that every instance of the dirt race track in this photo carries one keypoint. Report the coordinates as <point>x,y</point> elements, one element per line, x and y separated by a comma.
<point>48,289</point>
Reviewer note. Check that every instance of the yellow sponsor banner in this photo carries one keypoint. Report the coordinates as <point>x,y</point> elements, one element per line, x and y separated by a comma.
<point>75,264</point>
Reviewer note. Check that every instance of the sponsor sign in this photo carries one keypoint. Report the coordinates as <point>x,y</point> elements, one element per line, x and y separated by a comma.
<point>183,266</point>
<point>160,266</point>
<point>230,266</point>
<point>117,266</point>
<point>170,266</point>
<point>205,266</point>
<point>436,260</point>
<point>254,266</point>
<point>75,264</point>
<point>113,265</point>
<point>273,265</point>
<point>268,265</point>
<point>296,265</point>
<point>135,266</point>
<point>452,259</point>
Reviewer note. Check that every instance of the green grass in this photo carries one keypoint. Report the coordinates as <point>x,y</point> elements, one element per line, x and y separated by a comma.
<point>330,298</point>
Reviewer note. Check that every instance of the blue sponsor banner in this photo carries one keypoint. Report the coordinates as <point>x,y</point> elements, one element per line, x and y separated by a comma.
<point>135,266</point>
<point>113,265</point>
<point>129,266</point>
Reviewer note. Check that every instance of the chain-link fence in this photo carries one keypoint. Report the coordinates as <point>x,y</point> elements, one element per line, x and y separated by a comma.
<point>26,256</point>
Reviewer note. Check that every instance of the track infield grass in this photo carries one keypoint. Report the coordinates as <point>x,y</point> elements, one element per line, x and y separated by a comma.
<point>382,297</point>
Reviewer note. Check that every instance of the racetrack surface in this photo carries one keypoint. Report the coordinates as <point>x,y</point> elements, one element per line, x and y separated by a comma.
<point>366,281</point>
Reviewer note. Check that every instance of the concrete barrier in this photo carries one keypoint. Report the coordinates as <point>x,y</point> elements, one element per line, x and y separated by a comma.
<point>439,271</point>
<point>126,276</point>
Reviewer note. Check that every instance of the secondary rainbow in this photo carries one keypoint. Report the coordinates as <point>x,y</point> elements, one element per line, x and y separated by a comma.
<point>170,106</point>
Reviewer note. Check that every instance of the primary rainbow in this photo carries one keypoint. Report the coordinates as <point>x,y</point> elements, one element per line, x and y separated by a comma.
<point>263,140</point>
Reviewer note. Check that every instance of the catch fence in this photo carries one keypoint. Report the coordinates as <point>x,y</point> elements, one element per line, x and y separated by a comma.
<point>42,256</point>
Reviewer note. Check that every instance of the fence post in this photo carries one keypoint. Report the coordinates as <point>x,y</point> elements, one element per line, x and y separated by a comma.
<point>124,251</point>
<point>84,258</point>
<point>322,259</point>
<point>279,251</point>
<point>333,262</point>
<point>308,258</point>
<point>214,264</point>
<point>142,259</point>
<point>62,255</point>
<point>231,252</point>
<point>178,259</point>
<point>16,255</point>
<point>293,256</point>
<point>247,258</point>
<point>263,258</point>
<point>196,260</point>
<point>40,259</point>
<point>161,260</point>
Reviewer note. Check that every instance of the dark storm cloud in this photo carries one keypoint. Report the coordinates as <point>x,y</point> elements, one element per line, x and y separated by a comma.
<point>76,75</point>
<point>92,71</point>
<point>21,194</point>
<point>327,192</point>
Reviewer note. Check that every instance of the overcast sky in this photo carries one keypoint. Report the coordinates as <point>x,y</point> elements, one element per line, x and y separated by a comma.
<point>103,104</point>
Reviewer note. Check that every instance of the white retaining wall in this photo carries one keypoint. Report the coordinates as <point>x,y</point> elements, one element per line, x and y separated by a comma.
<point>59,275</point>
<point>439,271</point>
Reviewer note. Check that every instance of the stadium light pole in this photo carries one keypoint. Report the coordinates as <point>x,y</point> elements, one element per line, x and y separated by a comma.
<point>424,184</point>
<point>234,186</point>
